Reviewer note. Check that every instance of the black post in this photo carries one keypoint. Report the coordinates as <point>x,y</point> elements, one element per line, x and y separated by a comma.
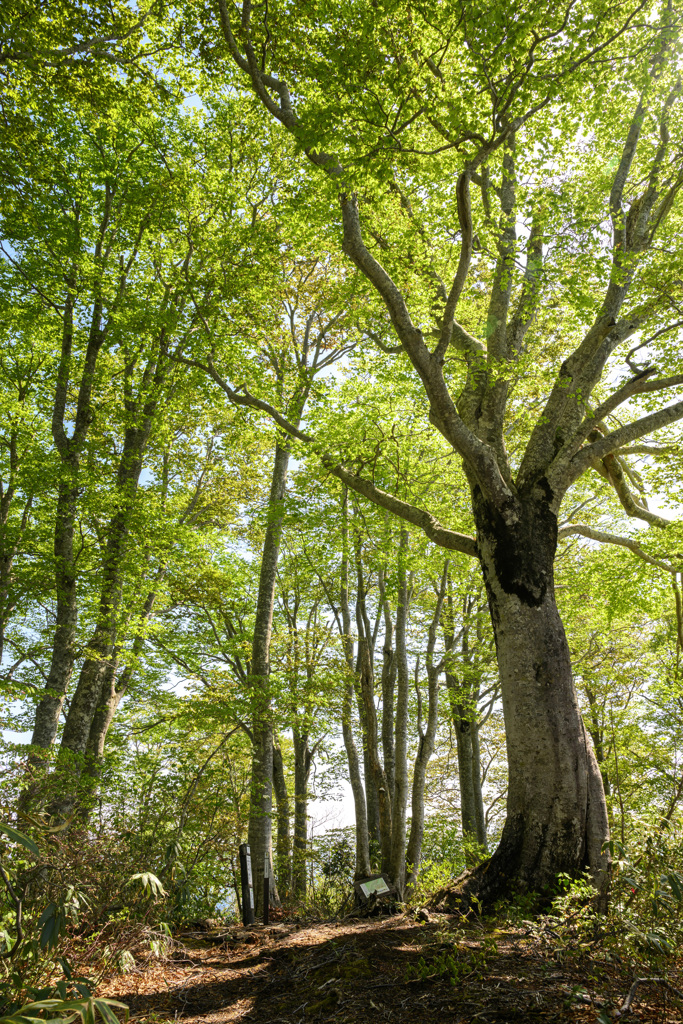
<point>247,885</point>
<point>266,887</point>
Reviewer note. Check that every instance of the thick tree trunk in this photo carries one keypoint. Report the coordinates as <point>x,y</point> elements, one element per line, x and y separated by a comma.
<point>261,805</point>
<point>556,812</point>
<point>283,856</point>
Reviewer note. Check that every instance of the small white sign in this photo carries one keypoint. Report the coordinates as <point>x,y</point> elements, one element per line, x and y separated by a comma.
<point>374,885</point>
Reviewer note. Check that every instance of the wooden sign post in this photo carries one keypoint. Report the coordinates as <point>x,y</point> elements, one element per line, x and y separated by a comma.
<point>247,885</point>
<point>266,887</point>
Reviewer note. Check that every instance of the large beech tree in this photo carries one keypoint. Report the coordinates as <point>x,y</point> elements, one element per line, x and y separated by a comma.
<point>507,179</point>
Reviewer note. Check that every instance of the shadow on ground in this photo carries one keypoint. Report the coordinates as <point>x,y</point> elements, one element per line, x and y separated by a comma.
<point>384,970</point>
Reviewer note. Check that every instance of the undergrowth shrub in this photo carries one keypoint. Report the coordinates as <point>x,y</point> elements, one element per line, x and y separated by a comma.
<point>71,912</point>
<point>644,923</point>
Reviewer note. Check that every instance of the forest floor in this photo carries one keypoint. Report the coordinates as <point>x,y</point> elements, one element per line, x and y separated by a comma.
<point>388,969</point>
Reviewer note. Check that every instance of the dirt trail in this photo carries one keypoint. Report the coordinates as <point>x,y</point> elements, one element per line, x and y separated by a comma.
<point>392,969</point>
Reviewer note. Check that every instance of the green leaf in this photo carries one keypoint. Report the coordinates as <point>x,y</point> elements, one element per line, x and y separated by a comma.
<point>148,881</point>
<point>19,837</point>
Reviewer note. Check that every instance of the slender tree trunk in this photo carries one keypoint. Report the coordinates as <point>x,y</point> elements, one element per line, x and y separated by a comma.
<point>112,693</point>
<point>62,660</point>
<point>425,750</point>
<point>397,858</point>
<point>261,804</point>
<point>369,777</point>
<point>284,840</point>
<point>93,686</point>
<point>388,686</point>
<point>556,811</point>
<point>69,450</point>
<point>355,778</point>
<point>10,542</point>
<point>362,868</point>
<point>302,765</point>
<point>426,744</point>
<point>377,775</point>
<point>463,698</point>
<point>479,814</point>
<point>597,735</point>
<point>371,794</point>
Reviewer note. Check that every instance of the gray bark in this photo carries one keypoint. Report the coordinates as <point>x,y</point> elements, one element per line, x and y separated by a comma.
<point>369,777</point>
<point>376,787</point>
<point>302,768</point>
<point>397,857</point>
<point>479,814</point>
<point>261,805</point>
<point>556,812</point>
<point>463,696</point>
<point>388,685</point>
<point>112,693</point>
<point>597,733</point>
<point>362,869</point>
<point>283,856</point>
<point>376,770</point>
<point>69,450</point>
<point>425,747</point>
<point>97,669</point>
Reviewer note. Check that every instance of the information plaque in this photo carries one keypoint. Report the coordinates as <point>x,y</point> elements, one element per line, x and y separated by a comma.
<point>376,885</point>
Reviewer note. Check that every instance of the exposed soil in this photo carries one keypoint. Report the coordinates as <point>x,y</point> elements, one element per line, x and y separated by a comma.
<point>387,969</point>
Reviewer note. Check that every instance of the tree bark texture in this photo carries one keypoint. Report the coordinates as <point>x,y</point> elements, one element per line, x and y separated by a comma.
<point>426,742</point>
<point>479,814</point>
<point>556,812</point>
<point>376,771</point>
<point>112,693</point>
<point>261,804</point>
<point>96,677</point>
<point>63,655</point>
<point>283,855</point>
<point>302,768</point>
<point>397,857</point>
<point>388,685</point>
<point>362,867</point>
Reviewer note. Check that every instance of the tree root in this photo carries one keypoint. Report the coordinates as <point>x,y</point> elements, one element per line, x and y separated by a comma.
<point>626,1005</point>
<point>472,892</point>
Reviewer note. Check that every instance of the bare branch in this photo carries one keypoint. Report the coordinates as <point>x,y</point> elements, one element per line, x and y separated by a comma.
<point>582,530</point>
<point>618,438</point>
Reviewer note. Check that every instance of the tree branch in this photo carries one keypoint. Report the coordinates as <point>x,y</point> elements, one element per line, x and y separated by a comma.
<point>433,529</point>
<point>602,537</point>
<point>631,432</point>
